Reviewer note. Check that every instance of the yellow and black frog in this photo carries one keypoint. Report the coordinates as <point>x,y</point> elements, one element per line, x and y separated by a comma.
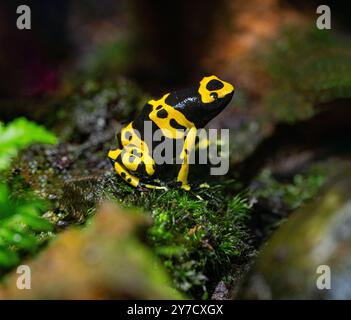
<point>178,115</point>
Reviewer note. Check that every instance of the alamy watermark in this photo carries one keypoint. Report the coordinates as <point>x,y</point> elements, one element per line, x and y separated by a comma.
<point>24,19</point>
<point>324,20</point>
<point>24,279</point>
<point>323,281</point>
<point>153,148</point>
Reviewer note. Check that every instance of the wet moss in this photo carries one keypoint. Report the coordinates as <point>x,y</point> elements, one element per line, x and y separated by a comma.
<point>293,192</point>
<point>275,198</point>
<point>197,235</point>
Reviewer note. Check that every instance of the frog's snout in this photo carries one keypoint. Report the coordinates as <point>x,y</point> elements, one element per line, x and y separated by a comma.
<point>228,97</point>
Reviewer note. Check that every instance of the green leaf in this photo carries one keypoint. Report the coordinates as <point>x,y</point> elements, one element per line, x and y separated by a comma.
<point>20,240</point>
<point>5,206</point>
<point>19,134</point>
<point>8,258</point>
<point>36,223</point>
<point>20,220</point>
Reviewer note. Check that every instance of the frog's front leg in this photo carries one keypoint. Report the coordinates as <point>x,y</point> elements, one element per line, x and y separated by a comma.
<point>188,146</point>
<point>131,159</point>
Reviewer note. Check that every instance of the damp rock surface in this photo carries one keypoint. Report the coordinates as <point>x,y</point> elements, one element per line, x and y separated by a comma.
<point>311,245</point>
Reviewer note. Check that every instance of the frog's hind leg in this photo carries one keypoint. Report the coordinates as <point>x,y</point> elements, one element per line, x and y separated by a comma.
<point>123,172</point>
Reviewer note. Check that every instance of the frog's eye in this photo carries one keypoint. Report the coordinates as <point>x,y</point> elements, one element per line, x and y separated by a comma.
<point>214,95</point>
<point>214,84</point>
<point>128,136</point>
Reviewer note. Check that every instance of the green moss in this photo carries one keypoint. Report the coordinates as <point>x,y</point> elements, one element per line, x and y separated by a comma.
<point>110,101</point>
<point>22,229</point>
<point>19,134</point>
<point>110,58</point>
<point>294,193</point>
<point>306,68</point>
<point>197,239</point>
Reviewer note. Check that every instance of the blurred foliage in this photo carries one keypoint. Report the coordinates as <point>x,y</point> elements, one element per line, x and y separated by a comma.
<point>19,134</point>
<point>95,108</point>
<point>110,58</point>
<point>22,229</point>
<point>20,218</point>
<point>302,188</point>
<point>306,69</point>
<point>318,233</point>
<point>197,235</point>
<point>105,260</point>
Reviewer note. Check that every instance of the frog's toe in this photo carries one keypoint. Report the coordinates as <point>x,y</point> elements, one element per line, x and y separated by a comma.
<point>179,184</point>
<point>204,185</point>
<point>151,185</point>
<point>186,187</point>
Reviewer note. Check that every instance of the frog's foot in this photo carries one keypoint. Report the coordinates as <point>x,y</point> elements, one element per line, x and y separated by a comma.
<point>125,174</point>
<point>204,185</point>
<point>133,180</point>
<point>186,187</point>
<point>201,186</point>
<point>179,184</point>
<point>151,186</point>
<point>146,183</point>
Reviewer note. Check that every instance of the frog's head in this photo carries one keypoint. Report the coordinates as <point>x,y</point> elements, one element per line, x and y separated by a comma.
<point>215,93</point>
<point>202,103</point>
